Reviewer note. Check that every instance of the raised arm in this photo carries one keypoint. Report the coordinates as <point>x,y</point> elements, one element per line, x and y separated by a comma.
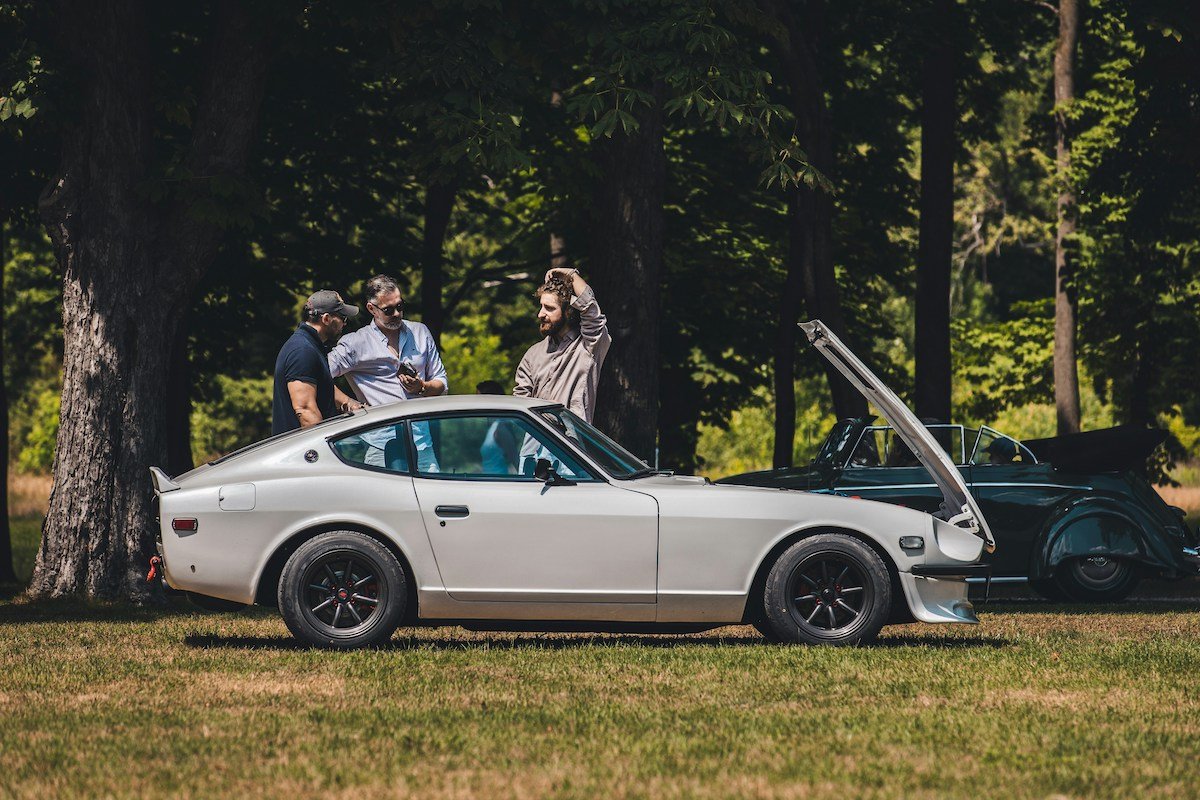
<point>593,325</point>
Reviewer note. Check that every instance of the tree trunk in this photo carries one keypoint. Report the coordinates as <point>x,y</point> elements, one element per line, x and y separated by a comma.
<point>7,575</point>
<point>932,341</point>
<point>810,264</point>
<point>558,243</point>
<point>179,404</point>
<point>129,270</point>
<point>627,254</point>
<point>1066,373</point>
<point>439,203</point>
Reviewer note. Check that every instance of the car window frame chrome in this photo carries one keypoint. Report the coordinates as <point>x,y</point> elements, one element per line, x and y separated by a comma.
<point>999,435</point>
<point>962,436</point>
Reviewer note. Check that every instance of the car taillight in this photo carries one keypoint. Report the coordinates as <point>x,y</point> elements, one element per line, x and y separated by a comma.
<point>188,524</point>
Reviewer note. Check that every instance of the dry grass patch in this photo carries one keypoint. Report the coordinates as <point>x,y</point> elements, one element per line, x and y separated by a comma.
<point>28,495</point>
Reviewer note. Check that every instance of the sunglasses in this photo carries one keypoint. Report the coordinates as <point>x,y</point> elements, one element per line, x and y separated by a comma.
<point>389,311</point>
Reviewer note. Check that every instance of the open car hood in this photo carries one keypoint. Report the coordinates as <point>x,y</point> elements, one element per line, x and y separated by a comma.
<point>958,506</point>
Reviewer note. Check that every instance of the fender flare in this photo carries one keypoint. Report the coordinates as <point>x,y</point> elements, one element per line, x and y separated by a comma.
<point>1094,525</point>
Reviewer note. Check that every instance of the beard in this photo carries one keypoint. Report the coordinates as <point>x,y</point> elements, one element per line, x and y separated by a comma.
<point>552,328</point>
<point>391,323</point>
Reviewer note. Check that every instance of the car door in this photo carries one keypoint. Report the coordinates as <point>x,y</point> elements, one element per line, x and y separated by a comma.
<point>507,543</point>
<point>882,467</point>
<point>1017,494</point>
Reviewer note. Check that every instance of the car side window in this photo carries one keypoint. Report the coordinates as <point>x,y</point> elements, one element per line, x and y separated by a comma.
<point>496,447</point>
<point>993,447</point>
<point>384,448</point>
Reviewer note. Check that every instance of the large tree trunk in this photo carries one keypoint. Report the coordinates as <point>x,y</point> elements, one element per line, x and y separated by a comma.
<point>938,114</point>
<point>627,253</point>
<point>129,270</point>
<point>7,575</point>
<point>810,267</point>
<point>439,204</point>
<point>179,403</point>
<point>1066,374</point>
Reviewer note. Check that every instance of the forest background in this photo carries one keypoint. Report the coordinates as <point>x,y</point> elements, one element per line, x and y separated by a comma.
<point>185,174</point>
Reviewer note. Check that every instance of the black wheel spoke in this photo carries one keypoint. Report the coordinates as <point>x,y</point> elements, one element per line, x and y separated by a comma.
<point>332,575</point>
<point>852,590</point>
<point>809,581</point>
<point>326,603</point>
<point>337,614</point>
<point>838,579</point>
<point>354,613</point>
<point>321,587</point>
<point>807,597</point>
<point>348,575</point>
<point>832,617</point>
<point>361,581</point>
<point>825,571</point>
<point>362,598</point>
<point>815,610</point>
<point>840,603</point>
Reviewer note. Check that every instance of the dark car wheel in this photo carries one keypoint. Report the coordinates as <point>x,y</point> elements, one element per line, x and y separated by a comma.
<point>827,589</point>
<point>342,590</point>
<point>1096,579</point>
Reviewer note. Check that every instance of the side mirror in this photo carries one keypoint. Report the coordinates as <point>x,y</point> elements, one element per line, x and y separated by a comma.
<point>548,475</point>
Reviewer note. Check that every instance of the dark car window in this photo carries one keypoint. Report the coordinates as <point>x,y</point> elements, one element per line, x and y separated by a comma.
<point>993,447</point>
<point>384,447</point>
<point>495,447</point>
<point>881,447</point>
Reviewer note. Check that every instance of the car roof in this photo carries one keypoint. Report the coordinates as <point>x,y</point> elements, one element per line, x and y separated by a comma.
<point>453,402</point>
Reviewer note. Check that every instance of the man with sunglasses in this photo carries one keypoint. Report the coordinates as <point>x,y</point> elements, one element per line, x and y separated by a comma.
<point>304,391</point>
<point>390,360</point>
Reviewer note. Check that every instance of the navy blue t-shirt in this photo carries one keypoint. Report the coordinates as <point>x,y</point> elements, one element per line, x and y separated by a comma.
<point>302,358</point>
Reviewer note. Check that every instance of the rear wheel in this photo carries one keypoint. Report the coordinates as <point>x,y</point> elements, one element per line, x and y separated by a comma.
<point>827,589</point>
<point>1096,579</point>
<point>342,590</point>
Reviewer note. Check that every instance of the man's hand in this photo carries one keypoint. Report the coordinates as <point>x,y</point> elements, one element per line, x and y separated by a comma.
<point>344,402</point>
<point>411,383</point>
<point>568,275</point>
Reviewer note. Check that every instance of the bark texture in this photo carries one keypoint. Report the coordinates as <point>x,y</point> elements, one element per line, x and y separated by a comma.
<point>936,204</point>
<point>626,273</point>
<point>810,268</point>
<point>129,270</point>
<point>1066,373</point>
<point>439,204</point>
<point>7,575</point>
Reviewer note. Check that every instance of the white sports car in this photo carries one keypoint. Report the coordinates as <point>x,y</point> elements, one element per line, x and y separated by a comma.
<point>508,513</point>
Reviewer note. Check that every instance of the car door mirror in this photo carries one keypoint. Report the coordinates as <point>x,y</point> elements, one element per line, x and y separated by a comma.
<point>548,475</point>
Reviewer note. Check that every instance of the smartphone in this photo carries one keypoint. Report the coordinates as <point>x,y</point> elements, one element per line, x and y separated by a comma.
<point>406,368</point>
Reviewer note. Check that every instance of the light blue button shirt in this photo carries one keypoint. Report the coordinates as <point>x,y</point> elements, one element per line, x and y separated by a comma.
<point>371,368</point>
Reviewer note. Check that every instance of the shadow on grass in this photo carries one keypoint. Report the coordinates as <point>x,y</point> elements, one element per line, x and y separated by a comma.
<point>68,609</point>
<point>525,641</point>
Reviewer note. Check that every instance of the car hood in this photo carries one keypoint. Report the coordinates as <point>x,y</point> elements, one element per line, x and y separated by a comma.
<point>958,506</point>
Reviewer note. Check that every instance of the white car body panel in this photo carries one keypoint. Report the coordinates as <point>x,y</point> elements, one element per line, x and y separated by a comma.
<point>657,549</point>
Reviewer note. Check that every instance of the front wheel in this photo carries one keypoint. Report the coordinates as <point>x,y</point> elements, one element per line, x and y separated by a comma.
<point>342,590</point>
<point>1096,579</point>
<point>827,589</point>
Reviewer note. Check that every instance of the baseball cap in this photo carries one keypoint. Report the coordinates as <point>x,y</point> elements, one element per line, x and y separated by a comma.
<point>328,301</point>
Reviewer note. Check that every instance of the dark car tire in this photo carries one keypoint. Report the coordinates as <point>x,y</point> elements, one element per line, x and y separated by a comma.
<point>215,605</point>
<point>342,590</point>
<point>827,589</point>
<point>1096,579</point>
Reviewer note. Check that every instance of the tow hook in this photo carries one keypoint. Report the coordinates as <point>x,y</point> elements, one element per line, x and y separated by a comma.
<point>155,563</point>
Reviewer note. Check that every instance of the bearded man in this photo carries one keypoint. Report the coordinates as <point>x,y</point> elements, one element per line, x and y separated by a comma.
<point>565,366</point>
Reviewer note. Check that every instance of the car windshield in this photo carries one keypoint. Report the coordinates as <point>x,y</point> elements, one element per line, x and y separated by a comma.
<point>616,460</point>
<point>837,439</point>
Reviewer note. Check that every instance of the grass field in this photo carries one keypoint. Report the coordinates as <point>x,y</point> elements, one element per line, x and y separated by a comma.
<point>1038,701</point>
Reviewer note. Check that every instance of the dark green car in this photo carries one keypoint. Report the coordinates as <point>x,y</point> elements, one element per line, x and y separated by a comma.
<point>1069,514</point>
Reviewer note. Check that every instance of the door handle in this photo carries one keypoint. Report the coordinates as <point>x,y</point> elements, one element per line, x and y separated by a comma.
<point>452,511</point>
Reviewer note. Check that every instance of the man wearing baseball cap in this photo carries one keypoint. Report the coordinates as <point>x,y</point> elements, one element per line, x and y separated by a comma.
<point>304,390</point>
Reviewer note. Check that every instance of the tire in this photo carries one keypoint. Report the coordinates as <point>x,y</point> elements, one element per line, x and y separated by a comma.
<point>1096,579</point>
<point>215,605</point>
<point>342,590</point>
<point>827,589</point>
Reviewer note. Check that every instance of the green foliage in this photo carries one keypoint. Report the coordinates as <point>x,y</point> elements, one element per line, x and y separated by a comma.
<point>473,354</point>
<point>236,412</point>
<point>746,442</point>
<point>37,456</point>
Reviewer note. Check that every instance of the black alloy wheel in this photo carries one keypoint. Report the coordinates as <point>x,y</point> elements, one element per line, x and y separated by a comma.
<point>1097,579</point>
<point>827,589</point>
<point>342,589</point>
